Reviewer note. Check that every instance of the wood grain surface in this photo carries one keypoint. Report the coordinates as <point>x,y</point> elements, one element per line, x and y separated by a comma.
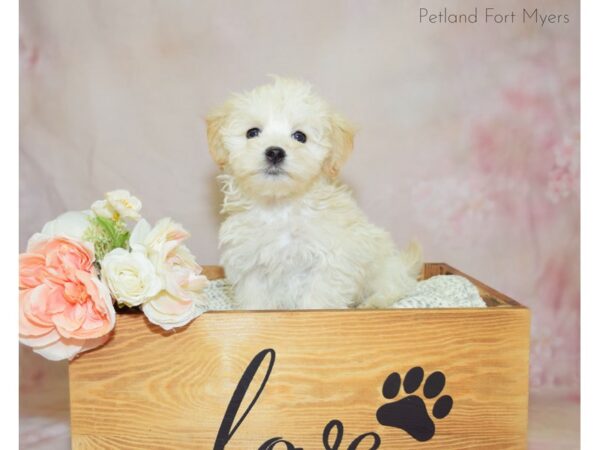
<point>147,388</point>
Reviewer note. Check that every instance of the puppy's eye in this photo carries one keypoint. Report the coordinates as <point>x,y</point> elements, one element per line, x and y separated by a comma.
<point>299,136</point>
<point>252,133</point>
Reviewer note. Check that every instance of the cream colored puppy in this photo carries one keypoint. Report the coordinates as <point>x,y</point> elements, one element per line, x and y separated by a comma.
<point>294,238</point>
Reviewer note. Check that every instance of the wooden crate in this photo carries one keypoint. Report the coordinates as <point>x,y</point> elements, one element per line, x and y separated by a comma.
<point>310,380</point>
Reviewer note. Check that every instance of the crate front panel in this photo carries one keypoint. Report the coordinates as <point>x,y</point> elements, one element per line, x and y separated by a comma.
<point>153,389</point>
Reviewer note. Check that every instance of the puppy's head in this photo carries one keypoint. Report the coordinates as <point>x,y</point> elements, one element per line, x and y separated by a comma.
<point>277,139</point>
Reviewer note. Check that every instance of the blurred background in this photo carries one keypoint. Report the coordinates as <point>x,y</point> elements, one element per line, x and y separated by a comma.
<point>468,141</point>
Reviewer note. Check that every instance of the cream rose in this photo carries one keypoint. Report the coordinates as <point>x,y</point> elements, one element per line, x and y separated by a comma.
<point>182,298</point>
<point>72,224</point>
<point>101,208</point>
<point>131,277</point>
<point>159,241</point>
<point>118,204</point>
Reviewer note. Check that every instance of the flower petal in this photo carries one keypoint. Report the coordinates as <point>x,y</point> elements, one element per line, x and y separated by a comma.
<point>138,236</point>
<point>102,209</point>
<point>90,344</point>
<point>32,270</point>
<point>59,350</point>
<point>100,316</point>
<point>168,312</point>
<point>69,322</point>
<point>28,327</point>
<point>33,304</point>
<point>72,224</point>
<point>40,341</point>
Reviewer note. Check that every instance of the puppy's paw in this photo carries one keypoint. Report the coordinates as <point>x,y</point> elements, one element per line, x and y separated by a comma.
<point>365,305</point>
<point>378,301</point>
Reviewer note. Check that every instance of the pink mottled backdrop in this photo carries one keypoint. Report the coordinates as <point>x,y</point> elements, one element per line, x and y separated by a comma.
<point>469,140</point>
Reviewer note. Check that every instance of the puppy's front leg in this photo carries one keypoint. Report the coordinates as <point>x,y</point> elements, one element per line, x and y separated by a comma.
<point>329,289</point>
<point>391,282</point>
<point>251,292</point>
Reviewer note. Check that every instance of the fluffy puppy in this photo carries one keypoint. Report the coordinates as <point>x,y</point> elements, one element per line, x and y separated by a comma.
<point>294,238</point>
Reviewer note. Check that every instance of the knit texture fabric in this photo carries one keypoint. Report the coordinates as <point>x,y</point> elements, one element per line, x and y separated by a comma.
<point>440,291</point>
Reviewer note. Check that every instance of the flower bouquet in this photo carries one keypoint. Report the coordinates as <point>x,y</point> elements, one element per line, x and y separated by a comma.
<point>84,263</point>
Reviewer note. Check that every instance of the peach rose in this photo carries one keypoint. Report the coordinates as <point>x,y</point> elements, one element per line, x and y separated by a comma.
<point>64,309</point>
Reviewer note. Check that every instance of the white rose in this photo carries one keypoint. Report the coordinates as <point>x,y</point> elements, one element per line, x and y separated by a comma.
<point>118,204</point>
<point>72,224</point>
<point>125,204</point>
<point>102,209</point>
<point>131,277</point>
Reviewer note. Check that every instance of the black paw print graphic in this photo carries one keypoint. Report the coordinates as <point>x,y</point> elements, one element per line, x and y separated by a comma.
<point>409,413</point>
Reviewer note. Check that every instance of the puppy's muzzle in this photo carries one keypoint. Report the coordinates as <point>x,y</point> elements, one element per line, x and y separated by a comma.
<point>275,155</point>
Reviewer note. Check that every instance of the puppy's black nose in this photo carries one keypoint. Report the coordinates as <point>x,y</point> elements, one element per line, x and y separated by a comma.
<point>275,155</point>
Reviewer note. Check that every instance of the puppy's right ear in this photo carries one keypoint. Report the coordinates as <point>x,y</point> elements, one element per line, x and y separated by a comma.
<point>214,124</point>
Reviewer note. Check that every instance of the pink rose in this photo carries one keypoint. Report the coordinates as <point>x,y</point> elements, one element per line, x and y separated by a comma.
<point>64,309</point>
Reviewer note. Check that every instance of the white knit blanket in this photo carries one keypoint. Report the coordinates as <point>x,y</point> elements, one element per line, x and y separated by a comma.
<point>441,291</point>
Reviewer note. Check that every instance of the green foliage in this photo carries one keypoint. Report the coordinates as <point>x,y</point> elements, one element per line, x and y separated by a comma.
<point>106,235</point>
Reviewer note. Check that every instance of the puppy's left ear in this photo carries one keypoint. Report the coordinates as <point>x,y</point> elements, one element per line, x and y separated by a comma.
<point>342,142</point>
<point>214,123</point>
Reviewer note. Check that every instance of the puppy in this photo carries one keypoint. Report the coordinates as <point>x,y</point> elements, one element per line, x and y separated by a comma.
<point>294,238</point>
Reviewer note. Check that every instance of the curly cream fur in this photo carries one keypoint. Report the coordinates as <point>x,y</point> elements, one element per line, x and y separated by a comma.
<point>298,239</point>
